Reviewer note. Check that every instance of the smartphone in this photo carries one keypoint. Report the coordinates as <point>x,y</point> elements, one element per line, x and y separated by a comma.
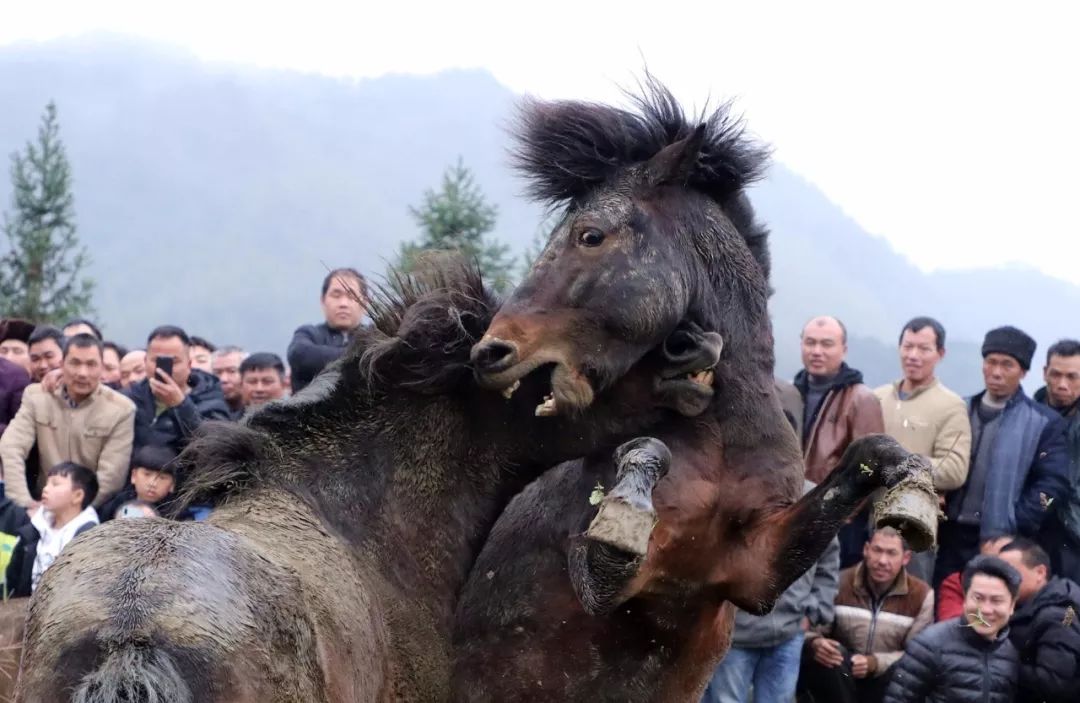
<point>164,364</point>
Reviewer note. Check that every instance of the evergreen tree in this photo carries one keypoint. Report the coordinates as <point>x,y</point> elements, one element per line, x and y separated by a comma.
<point>458,217</point>
<point>42,272</point>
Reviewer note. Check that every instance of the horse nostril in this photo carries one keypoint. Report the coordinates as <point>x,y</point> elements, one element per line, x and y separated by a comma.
<point>494,356</point>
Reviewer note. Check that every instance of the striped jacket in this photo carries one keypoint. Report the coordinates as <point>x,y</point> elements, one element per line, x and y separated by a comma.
<point>880,628</point>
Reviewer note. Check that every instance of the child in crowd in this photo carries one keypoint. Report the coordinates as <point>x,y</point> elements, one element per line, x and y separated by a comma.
<point>64,514</point>
<point>153,480</point>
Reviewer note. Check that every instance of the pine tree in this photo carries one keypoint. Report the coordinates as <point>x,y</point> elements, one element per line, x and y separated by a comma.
<point>458,217</point>
<point>42,272</point>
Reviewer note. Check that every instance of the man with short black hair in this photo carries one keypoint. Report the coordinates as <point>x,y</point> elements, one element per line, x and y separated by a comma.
<point>81,325</point>
<point>262,378</point>
<point>879,609</point>
<point>1019,467</point>
<point>1045,629</point>
<point>111,354</point>
<point>15,342</point>
<point>169,406</point>
<point>226,365</point>
<point>46,351</point>
<point>81,421</point>
<point>925,417</point>
<point>968,659</point>
<point>344,300</point>
<point>1061,533</point>
<point>202,353</point>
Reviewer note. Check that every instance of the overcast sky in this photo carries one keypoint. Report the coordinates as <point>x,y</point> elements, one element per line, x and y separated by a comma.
<point>950,128</point>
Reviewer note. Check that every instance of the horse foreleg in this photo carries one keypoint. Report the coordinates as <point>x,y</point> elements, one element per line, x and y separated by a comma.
<point>791,541</point>
<point>604,561</point>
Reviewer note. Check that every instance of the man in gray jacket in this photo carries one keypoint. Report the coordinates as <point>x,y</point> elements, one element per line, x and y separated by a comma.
<point>765,650</point>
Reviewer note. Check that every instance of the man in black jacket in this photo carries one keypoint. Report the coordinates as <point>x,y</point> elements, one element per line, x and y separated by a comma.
<point>169,406</point>
<point>1045,628</point>
<point>344,301</point>
<point>967,659</point>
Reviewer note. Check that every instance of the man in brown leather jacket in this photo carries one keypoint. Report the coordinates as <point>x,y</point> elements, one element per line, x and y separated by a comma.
<point>837,408</point>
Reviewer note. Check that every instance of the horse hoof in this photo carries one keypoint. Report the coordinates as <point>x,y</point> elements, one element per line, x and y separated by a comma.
<point>626,516</point>
<point>910,506</point>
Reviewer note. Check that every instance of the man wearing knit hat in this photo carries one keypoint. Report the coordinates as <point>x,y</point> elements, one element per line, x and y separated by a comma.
<point>1019,466</point>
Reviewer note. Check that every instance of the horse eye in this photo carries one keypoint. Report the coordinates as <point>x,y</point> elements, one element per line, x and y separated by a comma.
<point>591,237</point>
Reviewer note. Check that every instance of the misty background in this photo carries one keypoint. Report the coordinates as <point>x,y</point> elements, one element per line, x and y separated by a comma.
<point>215,196</point>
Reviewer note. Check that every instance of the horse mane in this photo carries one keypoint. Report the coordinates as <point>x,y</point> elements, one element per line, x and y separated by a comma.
<point>424,324</point>
<point>568,148</point>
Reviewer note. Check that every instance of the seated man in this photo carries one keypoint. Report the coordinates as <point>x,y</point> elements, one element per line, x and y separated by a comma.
<point>153,479</point>
<point>879,609</point>
<point>81,421</point>
<point>968,658</point>
<point>262,379</point>
<point>1045,629</point>
<point>65,513</point>
<point>174,399</point>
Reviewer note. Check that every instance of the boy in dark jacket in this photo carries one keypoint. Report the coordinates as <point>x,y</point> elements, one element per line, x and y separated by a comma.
<point>65,513</point>
<point>153,480</point>
<point>1045,628</point>
<point>968,659</point>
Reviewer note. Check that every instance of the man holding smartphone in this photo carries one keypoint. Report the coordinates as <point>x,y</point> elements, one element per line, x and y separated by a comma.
<point>174,399</point>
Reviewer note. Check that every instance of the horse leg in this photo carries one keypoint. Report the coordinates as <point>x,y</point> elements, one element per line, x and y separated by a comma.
<point>792,540</point>
<point>604,561</point>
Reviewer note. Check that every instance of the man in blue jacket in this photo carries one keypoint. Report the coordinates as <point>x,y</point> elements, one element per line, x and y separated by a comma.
<point>1019,465</point>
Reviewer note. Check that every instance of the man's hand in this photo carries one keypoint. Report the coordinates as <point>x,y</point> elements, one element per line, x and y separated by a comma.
<point>165,389</point>
<point>51,381</point>
<point>860,666</point>
<point>827,652</point>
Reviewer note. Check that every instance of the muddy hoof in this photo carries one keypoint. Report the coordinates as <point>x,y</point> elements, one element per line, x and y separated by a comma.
<point>910,506</point>
<point>627,516</point>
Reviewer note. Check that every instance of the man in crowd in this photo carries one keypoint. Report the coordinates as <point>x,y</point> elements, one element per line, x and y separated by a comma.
<point>1018,462</point>
<point>82,326</point>
<point>132,368</point>
<point>81,421</point>
<point>13,380</point>
<point>837,408</point>
<point>262,379</point>
<point>950,594</point>
<point>46,352</point>
<point>765,650</point>
<point>15,342</point>
<point>226,366</point>
<point>202,353</point>
<point>1062,394</point>
<point>344,300</point>
<point>173,399</point>
<point>927,418</point>
<point>112,354</point>
<point>879,609</point>
<point>969,658</point>
<point>1045,629</point>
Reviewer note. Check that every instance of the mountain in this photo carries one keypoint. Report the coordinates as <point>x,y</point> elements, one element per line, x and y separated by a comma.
<point>216,197</point>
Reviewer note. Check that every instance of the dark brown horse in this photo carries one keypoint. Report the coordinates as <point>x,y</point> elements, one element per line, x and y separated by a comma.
<point>348,518</point>
<point>655,219</point>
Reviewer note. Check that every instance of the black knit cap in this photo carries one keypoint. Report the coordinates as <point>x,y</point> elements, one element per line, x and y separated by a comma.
<point>1011,341</point>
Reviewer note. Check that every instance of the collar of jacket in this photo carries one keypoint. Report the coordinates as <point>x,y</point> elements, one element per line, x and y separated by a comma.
<point>1018,397</point>
<point>934,383</point>
<point>1043,396</point>
<point>862,587</point>
<point>845,377</point>
<point>62,394</point>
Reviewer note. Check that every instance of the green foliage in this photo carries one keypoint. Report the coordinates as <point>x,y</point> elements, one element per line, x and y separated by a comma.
<point>458,217</point>
<point>41,273</point>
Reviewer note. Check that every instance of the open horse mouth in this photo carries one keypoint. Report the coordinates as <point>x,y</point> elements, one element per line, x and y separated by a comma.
<point>689,356</point>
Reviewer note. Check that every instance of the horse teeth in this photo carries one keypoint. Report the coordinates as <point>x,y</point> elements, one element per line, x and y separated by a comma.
<point>507,392</point>
<point>547,408</point>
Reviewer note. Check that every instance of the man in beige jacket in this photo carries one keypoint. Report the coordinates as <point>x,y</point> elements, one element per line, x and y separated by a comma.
<point>81,421</point>
<point>927,418</point>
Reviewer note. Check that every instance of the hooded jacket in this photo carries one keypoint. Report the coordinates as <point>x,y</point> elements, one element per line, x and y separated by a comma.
<point>38,546</point>
<point>173,427</point>
<point>1046,632</point>
<point>848,410</point>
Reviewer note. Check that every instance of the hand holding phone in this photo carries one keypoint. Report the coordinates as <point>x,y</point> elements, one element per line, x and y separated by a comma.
<point>164,365</point>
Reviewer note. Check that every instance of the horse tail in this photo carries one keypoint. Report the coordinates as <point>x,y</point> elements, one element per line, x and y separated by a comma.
<point>134,674</point>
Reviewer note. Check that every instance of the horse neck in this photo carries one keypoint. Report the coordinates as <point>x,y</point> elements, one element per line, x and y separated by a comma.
<point>434,484</point>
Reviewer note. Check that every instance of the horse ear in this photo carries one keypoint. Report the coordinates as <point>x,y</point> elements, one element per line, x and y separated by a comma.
<point>675,162</point>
